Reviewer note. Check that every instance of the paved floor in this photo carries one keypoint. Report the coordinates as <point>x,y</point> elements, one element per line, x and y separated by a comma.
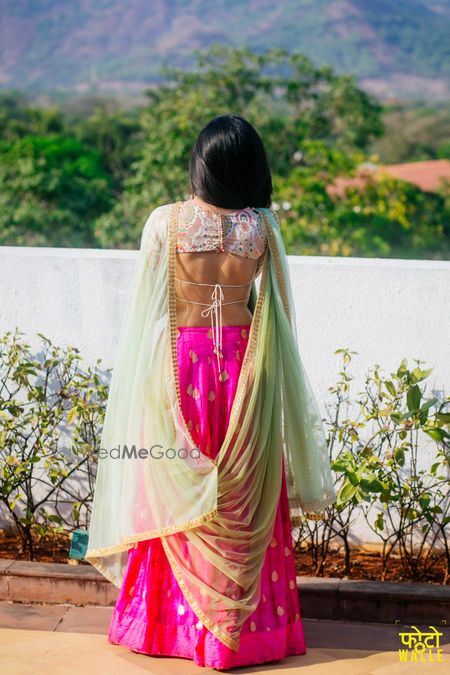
<point>64,640</point>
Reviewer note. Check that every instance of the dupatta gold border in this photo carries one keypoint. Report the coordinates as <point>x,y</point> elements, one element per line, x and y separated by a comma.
<point>275,253</point>
<point>150,534</point>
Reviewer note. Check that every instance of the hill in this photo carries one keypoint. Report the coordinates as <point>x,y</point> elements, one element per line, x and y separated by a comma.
<point>399,48</point>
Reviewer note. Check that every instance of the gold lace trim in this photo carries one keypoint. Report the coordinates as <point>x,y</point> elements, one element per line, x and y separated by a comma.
<point>320,504</point>
<point>105,571</point>
<point>226,639</point>
<point>275,253</point>
<point>151,534</point>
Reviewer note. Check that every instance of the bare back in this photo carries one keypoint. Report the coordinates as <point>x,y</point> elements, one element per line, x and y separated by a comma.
<point>211,250</point>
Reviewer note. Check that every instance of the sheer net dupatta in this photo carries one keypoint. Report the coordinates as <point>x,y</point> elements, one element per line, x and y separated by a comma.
<point>150,480</point>
<point>308,472</point>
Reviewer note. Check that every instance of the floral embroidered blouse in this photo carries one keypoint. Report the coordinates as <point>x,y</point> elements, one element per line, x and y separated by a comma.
<point>240,232</point>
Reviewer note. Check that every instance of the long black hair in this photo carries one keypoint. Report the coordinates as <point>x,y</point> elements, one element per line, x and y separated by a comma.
<point>229,167</point>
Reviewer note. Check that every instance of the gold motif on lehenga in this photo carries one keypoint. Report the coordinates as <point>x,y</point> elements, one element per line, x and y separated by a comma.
<point>209,360</point>
<point>193,356</point>
<point>243,332</point>
<point>292,584</point>
<point>253,626</point>
<point>280,610</point>
<point>216,351</point>
<point>274,575</point>
<point>194,392</point>
<point>130,592</point>
<point>223,377</point>
<point>210,333</point>
<point>287,551</point>
<point>190,424</point>
<point>273,543</point>
<point>211,396</point>
<point>238,355</point>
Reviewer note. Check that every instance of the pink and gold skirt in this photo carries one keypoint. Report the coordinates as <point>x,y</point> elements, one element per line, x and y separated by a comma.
<point>151,615</point>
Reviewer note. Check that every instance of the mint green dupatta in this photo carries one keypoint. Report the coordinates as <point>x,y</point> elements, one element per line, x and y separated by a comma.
<point>215,516</point>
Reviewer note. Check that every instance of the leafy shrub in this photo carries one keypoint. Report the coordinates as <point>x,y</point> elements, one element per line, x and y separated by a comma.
<point>51,411</point>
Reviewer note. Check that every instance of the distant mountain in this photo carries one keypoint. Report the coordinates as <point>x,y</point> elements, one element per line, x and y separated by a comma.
<point>394,48</point>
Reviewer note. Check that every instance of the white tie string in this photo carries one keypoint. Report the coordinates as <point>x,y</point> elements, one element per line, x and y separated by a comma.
<point>215,312</point>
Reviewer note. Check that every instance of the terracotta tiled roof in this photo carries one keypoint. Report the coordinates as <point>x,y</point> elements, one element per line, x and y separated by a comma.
<point>426,175</point>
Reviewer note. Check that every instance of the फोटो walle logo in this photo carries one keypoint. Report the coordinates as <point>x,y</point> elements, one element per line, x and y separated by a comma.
<point>419,647</point>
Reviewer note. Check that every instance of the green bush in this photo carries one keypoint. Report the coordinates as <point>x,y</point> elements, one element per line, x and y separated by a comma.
<point>51,411</point>
<point>379,474</point>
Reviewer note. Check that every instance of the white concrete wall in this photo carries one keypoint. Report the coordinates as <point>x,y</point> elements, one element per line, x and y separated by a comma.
<point>383,309</point>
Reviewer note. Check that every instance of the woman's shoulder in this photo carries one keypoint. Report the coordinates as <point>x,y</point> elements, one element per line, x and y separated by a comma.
<point>155,226</point>
<point>160,212</point>
<point>158,215</point>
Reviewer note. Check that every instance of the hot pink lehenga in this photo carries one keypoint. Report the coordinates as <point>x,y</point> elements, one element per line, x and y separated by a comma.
<point>151,615</point>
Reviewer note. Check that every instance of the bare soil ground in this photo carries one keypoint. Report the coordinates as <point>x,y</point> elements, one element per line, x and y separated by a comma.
<point>364,565</point>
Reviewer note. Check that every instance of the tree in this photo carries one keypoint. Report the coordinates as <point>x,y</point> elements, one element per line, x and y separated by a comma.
<point>52,189</point>
<point>284,95</point>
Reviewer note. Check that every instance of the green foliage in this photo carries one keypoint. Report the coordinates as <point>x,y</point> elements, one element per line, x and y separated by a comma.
<point>116,136</point>
<point>18,118</point>
<point>414,133</point>
<point>91,176</point>
<point>51,188</point>
<point>376,441</point>
<point>388,218</point>
<point>50,415</point>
